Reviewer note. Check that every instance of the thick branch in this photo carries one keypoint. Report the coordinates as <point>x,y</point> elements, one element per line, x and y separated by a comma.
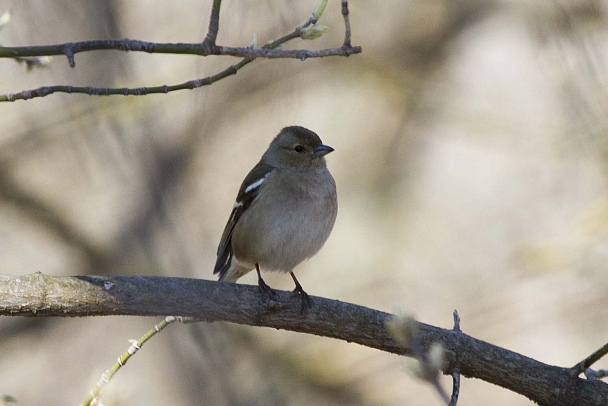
<point>38,295</point>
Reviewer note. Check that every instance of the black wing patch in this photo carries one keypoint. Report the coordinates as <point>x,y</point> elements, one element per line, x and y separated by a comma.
<point>249,190</point>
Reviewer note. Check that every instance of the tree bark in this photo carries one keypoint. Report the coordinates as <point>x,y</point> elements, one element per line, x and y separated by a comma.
<point>39,295</point>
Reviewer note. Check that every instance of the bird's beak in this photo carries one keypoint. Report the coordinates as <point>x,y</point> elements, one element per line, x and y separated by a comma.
<point>321,150</point>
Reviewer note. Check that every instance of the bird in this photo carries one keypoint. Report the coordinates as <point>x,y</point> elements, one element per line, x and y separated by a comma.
<point>284,211</point>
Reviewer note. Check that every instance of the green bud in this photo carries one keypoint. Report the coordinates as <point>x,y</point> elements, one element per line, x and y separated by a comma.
<point>314,31</point>
<point>319,10</point>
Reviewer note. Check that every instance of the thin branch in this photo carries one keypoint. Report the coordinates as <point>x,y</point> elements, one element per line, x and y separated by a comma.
<point>593,375</point>
<point>189,85</point>
<point>456,321</point>
<point>139,91</point>
<point>125,44</point>
<point>301,54</point>
<point>38,295</point>
<point>208,47</point>
<point>347,34</point>
<point>214,25</point>
<point>124,357</point>
<point>456,372</point>
<point>131,45</point>
<point>590,360</point>
<point>455,388</point>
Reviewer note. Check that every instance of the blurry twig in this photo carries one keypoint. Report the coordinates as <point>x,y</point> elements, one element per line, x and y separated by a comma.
<point>427,364</point>
<point>306,30</point>
<point>28,63</point>
<point>92,399</point>
<point>34,62</point>
<point>47,216</point>
<point>5,18</point>
<point>6,400</point>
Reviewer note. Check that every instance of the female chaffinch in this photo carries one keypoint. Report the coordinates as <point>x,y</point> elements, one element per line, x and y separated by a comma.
<point>284,211</point>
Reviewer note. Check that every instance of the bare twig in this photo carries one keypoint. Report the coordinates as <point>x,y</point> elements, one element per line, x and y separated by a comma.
<point>347,34</point>
<point>590,360</point>
<point>123,358</point>
<point>214,25</point>
<point>455,388</point>
<point>301,54</point>
<point>456,371</point>
<point>131,45</point>
<point>207,47</point>
<point>593,375</point>
<point>456,321</point>
<point>139,91</point>
<point>136,345</point>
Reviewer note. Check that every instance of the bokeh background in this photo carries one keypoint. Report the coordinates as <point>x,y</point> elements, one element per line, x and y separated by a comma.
<point>471,161</point>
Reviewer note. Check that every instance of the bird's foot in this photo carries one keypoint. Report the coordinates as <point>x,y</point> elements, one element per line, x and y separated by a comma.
<point>265,289</point>
<point>306,301</point>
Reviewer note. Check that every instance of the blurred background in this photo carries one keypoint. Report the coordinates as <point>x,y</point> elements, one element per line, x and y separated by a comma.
<point>471,162</point>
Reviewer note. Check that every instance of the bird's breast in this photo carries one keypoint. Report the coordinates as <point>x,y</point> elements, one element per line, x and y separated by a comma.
<point>288,222</point>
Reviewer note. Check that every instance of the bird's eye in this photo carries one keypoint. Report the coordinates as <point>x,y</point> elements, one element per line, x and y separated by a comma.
<point>298,148</point>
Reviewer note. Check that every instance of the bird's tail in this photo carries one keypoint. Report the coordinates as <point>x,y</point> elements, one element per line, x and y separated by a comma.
<point>233,272</point>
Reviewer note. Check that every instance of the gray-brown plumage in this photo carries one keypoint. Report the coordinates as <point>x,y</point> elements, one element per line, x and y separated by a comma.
<point>284,211</point>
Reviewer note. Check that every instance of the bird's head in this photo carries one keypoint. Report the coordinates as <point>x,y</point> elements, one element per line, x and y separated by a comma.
<point>296,148</point>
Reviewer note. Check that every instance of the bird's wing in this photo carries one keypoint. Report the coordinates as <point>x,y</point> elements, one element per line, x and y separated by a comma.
<point>247,194</point>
